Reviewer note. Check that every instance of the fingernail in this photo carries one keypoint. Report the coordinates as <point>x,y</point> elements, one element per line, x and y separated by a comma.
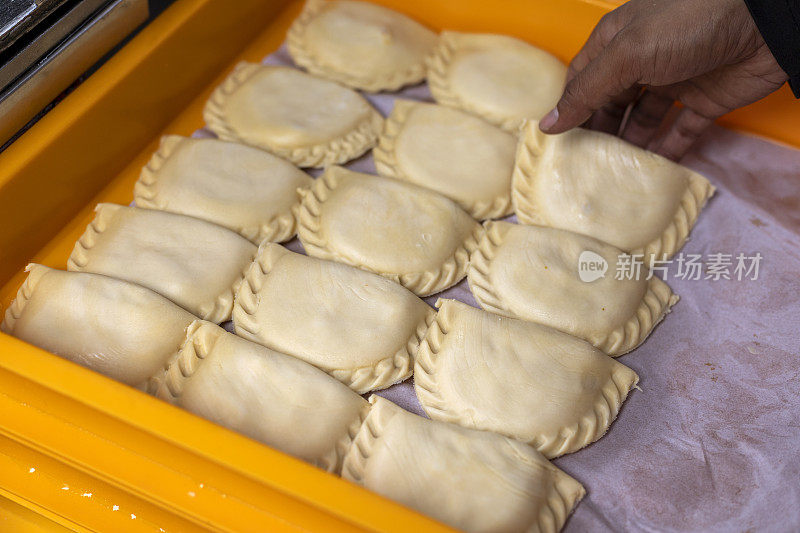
<point>549,120</point>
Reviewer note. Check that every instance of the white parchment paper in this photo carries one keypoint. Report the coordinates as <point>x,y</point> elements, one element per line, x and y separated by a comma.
<point>712,441</point>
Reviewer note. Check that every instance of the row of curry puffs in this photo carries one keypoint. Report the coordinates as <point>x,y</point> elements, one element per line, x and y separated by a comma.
<point>371,48</point>
<point>561,393</point>
<point>402,232</point>
<point>470,479</point>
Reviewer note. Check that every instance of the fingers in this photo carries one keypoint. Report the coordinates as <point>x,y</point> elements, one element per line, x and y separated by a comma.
<point>604,78</point>
<point>646,117</point>
<point>683,132</point>
<point>601,35</point>
<point>609,118</point>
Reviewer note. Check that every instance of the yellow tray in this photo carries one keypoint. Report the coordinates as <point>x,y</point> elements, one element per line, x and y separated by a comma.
<point>80,451</point>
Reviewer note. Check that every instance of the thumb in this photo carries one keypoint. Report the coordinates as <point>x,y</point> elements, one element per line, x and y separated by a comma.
<point>603,79</point>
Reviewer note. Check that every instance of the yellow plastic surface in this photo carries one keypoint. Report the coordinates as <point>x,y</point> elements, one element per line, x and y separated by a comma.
<point>20,519</point>
<point>88,453</point>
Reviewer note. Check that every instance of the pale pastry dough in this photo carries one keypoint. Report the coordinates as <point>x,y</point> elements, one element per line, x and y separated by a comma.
<point>119,329</point>
<point>399,230</point>
<point>497,77</point>
<point>520,379</point>
<point>360,44</point>
<point>362,329</point>
<point>471,480</point>
<point>599,185</point>
<point>241,188</point>
<point>268,396</point>
<point>307,120</point>
<point>531,272</point>
<point>196,264</point>
<point>451,152</point>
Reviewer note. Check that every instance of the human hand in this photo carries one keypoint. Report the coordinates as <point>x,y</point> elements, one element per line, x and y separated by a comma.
<point>706,54</point>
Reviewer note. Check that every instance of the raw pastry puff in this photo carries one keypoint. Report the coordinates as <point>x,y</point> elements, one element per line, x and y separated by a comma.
<point>360,44</point>
<point>309,121</point>
<point>599,185</point>
<point>531,272</point>
<point>399,230</point>
<point>362,329</point>
<point>196,264</point>
<point>472,480</point>
<point>497,77</point>
<point>268,396</point>
<point>451,152</point>
<point>241,188</point>
<point>119,329</point>
<point>520,379</point>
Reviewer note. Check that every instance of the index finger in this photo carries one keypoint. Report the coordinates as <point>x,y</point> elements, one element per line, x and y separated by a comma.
<point>605,78</point>
<point>602,34</point>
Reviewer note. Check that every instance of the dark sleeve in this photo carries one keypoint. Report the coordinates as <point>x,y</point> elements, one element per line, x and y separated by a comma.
<point>779,24</point>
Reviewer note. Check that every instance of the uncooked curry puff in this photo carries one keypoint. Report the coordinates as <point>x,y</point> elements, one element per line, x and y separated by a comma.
<point>399,230</point>
<point>532,272</point>
<point>362,329</point>
<point>497,77</point>
<point>599,185</point>
<point>360,44</point>
<point>471,480</point>
<point>196,264</point>
<point>449,151</point>
<point>244,189</point>
<point>119,329</point>
<point>523,380</point>
<point>268,396</point>
<point>307,120</point>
